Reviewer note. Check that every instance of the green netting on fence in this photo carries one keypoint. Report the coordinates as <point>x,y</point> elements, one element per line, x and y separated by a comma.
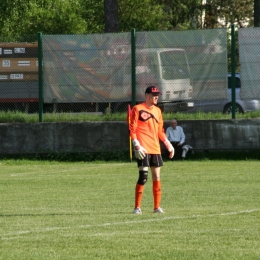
<point>97,69</point>
<point>249,56</point>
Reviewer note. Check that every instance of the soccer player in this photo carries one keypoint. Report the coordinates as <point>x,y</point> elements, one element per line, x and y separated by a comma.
<point>146,128</point>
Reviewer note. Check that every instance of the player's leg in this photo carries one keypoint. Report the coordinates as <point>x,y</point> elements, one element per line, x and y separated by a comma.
<point>142,179</point>
<point>157,192</point>
<point>139,188</point>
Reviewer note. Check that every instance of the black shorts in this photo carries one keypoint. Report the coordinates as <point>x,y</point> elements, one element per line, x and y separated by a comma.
<point>151,160</point>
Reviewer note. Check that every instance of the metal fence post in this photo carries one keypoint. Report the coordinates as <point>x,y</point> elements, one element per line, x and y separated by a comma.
<point>133,67</point>
<point>40,82</point>
<point>233,71</point>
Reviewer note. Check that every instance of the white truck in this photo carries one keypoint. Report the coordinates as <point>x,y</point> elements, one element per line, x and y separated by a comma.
<point>166,68</point>
<point>103,83</point>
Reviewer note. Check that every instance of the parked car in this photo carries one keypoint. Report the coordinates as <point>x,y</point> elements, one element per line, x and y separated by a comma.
<point>225,105</point>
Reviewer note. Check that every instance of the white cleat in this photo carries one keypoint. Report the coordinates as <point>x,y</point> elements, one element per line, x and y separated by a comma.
<point>158,210</point>
<point>137,211</point>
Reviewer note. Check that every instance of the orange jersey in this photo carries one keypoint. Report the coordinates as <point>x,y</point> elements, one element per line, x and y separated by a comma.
<point>146,125</point>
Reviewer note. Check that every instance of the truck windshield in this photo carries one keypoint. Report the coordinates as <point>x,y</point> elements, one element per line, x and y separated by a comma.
<point>174,65</point>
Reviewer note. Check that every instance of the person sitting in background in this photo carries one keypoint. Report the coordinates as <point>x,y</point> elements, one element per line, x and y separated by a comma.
<point>176,136</point>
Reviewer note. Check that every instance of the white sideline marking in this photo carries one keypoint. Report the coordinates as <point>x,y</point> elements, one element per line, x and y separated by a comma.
<point>50,173</point>
<point>16,235</point>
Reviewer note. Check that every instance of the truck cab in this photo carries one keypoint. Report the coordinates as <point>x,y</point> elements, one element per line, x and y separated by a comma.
<point>168,69</point>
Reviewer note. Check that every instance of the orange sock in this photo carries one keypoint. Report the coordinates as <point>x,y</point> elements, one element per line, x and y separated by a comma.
<point>138,195</point>
<point>157,193</point>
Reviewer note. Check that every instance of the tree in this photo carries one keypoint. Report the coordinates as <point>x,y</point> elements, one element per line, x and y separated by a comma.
<point>182,14</point>
<point>111,16</point>
<point>10,13</point>
<point>145,15</point>
<point>222,13</point>
<point>26,17</point>
<point>192,14</point>
<point>61,17</point>
<point>23,17</point>
<point>92,11</point>
<point>257,13</point>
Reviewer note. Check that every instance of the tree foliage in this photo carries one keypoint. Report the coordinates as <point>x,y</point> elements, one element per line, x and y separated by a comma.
<point>92,11</point>
<point>182,14</point>
<point>222,13</point>
<point>23,17</point>
<point>145,15</point>
<point>187,14</point>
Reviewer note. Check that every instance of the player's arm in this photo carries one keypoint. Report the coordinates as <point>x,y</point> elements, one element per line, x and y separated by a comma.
<point>169,147</point>
<point>167,144</point>
<point>133,123</point>
<point>164,138</point>
<point>138,149</point>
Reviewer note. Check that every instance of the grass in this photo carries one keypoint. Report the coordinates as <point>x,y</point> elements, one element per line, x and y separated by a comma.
<point>19,117</point>
<point>57,210</point>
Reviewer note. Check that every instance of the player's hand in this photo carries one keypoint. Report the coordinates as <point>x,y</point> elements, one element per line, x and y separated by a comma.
<point>169,147</point>
<point>139,150</point>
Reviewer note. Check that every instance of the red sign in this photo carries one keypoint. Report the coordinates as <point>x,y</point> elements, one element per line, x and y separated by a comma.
<point>119,49</point>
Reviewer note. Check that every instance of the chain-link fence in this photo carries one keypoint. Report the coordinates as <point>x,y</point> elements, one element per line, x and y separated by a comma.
<point>102,73</point>
<point>19,75</point>
<point>249,62</point>
<point>86,72</point>
<point>94,73</point>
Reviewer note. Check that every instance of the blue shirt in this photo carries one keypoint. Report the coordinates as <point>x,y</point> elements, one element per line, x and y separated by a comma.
<point>175,135</point>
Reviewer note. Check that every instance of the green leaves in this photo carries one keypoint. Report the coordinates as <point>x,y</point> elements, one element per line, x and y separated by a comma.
<point>24,17</point>
<point>145,15</point>
<point>51,17</point>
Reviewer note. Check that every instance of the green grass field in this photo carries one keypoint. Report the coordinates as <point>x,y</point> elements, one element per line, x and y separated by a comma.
<point>58,210</point>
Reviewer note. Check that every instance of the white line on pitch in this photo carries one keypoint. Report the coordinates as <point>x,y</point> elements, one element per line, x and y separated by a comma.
<point>15,235</point>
